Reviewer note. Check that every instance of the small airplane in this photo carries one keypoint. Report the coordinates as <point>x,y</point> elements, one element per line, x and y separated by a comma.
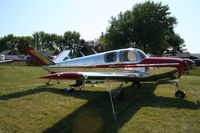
<point>3,60</point>
<point>123,65</point>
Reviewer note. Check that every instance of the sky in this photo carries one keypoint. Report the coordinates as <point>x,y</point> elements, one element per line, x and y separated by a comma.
<point>89,17</point>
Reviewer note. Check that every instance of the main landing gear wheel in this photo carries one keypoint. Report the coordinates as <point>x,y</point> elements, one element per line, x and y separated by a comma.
<point>180,94</point>
<point>136,85</point>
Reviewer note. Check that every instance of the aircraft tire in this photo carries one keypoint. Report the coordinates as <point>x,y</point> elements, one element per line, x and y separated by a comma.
<point>180,94</point>
<point>136,85</point>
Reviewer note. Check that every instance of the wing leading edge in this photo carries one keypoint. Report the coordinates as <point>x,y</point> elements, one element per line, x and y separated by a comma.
<point>119,76</point>
<point>96,75</point>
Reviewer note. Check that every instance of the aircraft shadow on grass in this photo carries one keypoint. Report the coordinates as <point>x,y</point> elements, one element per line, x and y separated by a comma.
<point>94,116</point>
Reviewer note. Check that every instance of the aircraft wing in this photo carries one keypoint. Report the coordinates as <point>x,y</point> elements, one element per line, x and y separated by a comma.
<point>97,76</point>
<point>4,61</point>
<point>111,76</point>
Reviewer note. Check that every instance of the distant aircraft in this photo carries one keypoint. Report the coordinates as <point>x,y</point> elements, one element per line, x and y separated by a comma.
<point>3,60</point>
<point>124,65</point>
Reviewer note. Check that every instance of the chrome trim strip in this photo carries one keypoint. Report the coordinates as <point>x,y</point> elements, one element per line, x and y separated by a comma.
<point>164,64</point>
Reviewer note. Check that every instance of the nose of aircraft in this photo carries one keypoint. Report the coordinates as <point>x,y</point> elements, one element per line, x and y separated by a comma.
<point>189,63</point>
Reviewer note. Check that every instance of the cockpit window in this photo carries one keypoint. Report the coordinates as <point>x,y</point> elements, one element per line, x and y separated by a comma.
<point>143,55</point>
<point>127,56</point>
<point>110,57</point>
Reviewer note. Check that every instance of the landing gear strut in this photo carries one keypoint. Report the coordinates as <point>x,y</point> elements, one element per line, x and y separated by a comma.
<point>136,85</point>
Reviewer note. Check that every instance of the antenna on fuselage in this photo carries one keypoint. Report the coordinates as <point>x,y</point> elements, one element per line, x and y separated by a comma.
<point>94,51</point>
<point>82,53</point>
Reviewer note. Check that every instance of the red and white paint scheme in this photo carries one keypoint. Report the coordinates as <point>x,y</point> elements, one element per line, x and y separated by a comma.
<point>127,65</point>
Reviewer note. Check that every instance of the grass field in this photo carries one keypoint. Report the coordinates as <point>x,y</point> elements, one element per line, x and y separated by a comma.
<point>28,106</point>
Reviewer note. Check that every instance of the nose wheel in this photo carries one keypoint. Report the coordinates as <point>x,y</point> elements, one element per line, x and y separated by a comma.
<point>180,94</point>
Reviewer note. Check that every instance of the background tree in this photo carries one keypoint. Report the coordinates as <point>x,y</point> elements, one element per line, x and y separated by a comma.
<point>60,43</point>
<point>102,40</point>
<point>3,44</point>
<point>44,41</point>
<point>176,44</point>
<point>147,26</point>
<point>40,40</point>
<point>9,42</point>
<point>72,41</point>
<point>51,41</point>
<point>24,42</point>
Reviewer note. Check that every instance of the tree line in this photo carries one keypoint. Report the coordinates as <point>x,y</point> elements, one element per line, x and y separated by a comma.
<point>148,26</point>
<point>43,41</point>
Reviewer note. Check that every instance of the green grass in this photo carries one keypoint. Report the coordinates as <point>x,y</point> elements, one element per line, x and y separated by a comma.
<point>27,105</point>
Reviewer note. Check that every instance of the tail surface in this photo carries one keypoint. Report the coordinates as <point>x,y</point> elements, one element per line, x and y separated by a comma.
<point>39,57</point>
<point>62,56</point>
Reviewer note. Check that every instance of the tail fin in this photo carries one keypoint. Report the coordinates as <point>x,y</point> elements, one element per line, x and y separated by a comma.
<point>35,54</point>
<point>62,56</point>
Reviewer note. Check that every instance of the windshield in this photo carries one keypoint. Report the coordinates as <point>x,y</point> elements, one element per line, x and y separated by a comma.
<point>141,53</point>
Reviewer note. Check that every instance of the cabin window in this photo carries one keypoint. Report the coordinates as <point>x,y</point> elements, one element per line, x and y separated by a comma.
<point>127,56</point>
<point>110,57</point>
